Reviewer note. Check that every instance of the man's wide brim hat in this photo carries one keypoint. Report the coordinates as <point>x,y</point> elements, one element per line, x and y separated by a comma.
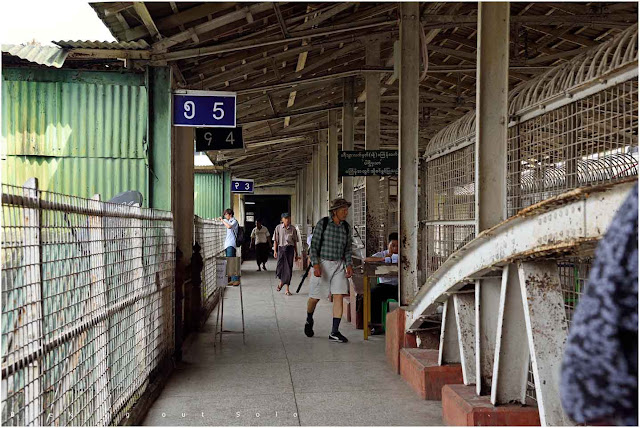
<point>339,203</point>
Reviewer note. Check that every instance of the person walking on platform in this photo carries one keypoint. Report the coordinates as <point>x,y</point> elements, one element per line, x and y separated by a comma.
<point>260,241</point>
<point>330,254</point>
<point>230,241</point>
<point>285,248</point>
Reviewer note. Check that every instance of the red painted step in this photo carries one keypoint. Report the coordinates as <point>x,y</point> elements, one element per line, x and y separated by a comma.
<point>420,369</point>
<point>462,407</point>
<point>396,338</point>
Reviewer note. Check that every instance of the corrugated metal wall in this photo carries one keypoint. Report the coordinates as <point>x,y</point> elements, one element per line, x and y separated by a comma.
<point>208,195</point>
<point>79,133</point>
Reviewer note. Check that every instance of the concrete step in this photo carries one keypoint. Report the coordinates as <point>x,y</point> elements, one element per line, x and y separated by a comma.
<point>462,407</point>
<point>420,369</point>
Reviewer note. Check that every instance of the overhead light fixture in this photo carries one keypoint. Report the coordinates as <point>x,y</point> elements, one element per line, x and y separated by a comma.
<point>249,203</point>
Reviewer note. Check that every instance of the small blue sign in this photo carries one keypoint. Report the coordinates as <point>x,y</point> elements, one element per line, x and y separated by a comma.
<point>241,185</point>
<point>205,109</point>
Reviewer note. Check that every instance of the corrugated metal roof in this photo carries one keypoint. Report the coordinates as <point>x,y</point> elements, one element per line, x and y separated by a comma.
<point>51,56</point>
<point>89,44</point>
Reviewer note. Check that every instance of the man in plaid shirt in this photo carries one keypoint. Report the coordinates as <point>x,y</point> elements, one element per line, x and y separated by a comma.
<point>331,259</point>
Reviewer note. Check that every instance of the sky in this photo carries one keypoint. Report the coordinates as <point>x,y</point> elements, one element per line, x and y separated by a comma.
<point>22,21</point>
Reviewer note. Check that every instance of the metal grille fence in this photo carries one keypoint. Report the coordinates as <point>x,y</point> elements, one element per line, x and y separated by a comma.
<point>210,235</point>
<point>450,205</point>
<point>87,314</point>
<point>360,211</point>
<point>444,240</point>
<point>591,141</point>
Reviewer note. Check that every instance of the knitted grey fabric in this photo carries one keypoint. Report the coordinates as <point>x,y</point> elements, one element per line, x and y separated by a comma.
<point>599,379</point>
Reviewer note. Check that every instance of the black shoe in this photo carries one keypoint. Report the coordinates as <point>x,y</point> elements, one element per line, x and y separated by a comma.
<point>338,337</point>
<point>258,268</point>
<point>264,268</point>
<point>308,328</point>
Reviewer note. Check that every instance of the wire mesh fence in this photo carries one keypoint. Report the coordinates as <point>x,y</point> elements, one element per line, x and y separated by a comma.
<point>444,240</point>
<point>210,235</point>
<point>87,315</point>
<point>360,211</point>
<point>591,141</point>
<point>450,186</point>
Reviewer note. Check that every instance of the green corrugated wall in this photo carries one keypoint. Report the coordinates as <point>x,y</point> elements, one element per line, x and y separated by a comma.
<point>208,195</point>
<point>78,132</point>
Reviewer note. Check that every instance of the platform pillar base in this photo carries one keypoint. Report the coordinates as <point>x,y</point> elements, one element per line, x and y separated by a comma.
<point>420,369</point>
<point>462,407</point>
<point>396,338</point>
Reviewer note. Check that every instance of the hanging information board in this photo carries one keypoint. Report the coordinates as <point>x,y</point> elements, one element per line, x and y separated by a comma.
<point>241,185</point>
<point>209,109</point>
<point>367,163</point>
<point>218,139</point>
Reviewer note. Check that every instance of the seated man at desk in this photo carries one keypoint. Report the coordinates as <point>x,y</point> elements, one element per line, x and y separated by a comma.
<point>386,288</point>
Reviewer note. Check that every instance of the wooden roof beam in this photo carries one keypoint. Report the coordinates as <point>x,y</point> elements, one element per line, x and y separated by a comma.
<point>211,25</point>
<point>178,19</point>
<point>609,19</point>
<point>144,14</point>
<point>283,25</point>
<point>267,41</point>
<point>335,9</point>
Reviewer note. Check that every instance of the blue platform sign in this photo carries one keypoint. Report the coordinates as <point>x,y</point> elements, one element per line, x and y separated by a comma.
<point>204,109</point>
<point>241,185</point>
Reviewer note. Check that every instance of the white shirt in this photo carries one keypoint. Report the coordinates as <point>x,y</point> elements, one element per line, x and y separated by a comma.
<point>309,240</point>
<point>387,259</point>
<point>230,240</point>
<point>260,235</point>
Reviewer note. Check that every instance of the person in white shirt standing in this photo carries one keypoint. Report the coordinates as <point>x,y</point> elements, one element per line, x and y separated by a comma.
<point>230,241</point>
<point>260,238</point>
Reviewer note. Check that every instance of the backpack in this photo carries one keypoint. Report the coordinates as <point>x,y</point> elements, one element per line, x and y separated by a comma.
<point>240,236</point>
<point>325,222</point>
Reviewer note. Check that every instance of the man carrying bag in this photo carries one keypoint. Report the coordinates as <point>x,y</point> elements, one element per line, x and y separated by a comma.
<point>330,254</point>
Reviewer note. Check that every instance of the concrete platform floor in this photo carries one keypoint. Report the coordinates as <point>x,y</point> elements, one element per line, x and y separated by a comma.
<point>280,376</point>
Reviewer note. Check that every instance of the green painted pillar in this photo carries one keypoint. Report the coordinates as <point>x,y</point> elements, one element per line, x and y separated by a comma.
<point>159,90</point>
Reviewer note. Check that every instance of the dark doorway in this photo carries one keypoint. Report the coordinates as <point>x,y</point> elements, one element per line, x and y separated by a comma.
<point>267,208</point>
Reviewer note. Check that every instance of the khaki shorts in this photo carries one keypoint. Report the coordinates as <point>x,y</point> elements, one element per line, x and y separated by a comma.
<point>333,280</point>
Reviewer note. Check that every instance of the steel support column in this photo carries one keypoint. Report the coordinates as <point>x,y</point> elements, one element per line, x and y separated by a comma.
<point>309,192</point>
<point>422,227</point>
<point>333,154</point>
<point>323,154</point>
<point>347,138</point>
<point>316,184</point>
<point>408,156</point>
<point>372,142</point>
<point>491,167</point>
<point>303,200</point>
<point>182,208</point>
